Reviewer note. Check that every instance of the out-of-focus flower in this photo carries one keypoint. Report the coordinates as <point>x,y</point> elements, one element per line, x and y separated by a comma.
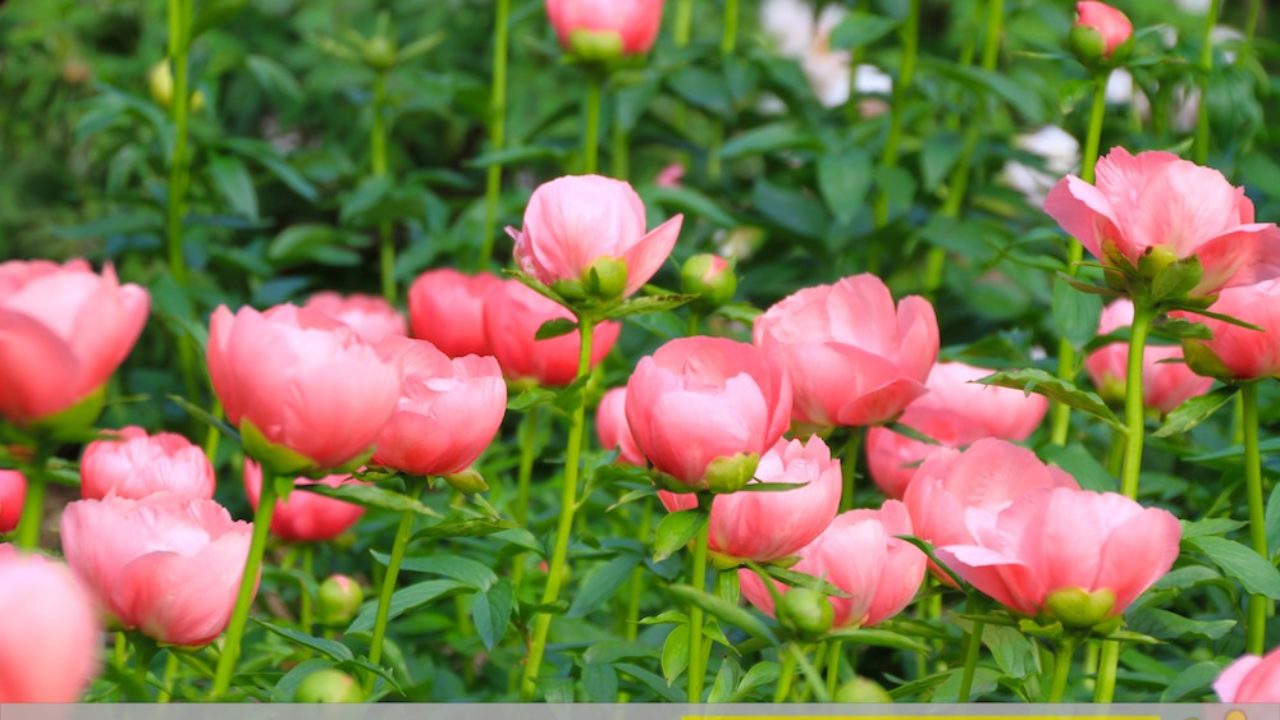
<point>1060,153</point>
<point>133,464</point>
<point>1166,384</point>
<point>804,35</point>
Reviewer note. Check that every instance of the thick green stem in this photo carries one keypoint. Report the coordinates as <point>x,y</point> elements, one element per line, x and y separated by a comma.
<point>1108,662</point>
<point>833,666</point>
<point>729,36</point>
<point>683,31</point>
<point>591,123</point>
<point>404,531</point>
<point>1251,25</point>
<point>1060,422</point>
<point>28,537</point>
<point>305,618</point>
<point>959,187</point>
<point>639,575</point>
<point>564,529</point>
<point>1134,410</point>
<point>1062,669</point>
<point>497,130</point>
<point>1259,605</point>
<point>620,149</point>
<point>697,657</point>
<point>248,587</point>
<point>1200,150</point>
<point>849,467</point>
<point>786,672</point>
<point>179,16</point>
<point>811,675</point>
<point>972,649</point>
<point>910,35</point>
<point>378,163</point>
<point>166,683</point>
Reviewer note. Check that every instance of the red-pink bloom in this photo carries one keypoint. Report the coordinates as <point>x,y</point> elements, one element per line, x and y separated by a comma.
<point>1234,352</point>
<point>446,308</point>
<point>63,331</point>
<point>1049,541</point>
<point>1111,24</point>
<point>168,566</point>
<point>700,399</point>
<point>988,476</point>
<point>1251,679</point>
<point>132,464</point>
<point>369,315</point>
<point>767,526</point>
<point>303,381</point>
<point>612,428</point>
<point>50,639</point>
<point>635,22</point>
<point>448,413</point>
<point>305,516</point>
<point>670,176</point>
<point>1165,385</point>
<point>955,412</point>
<point>853,358</point>
<point>574,221</point>
<point>1157,200</point>
<point>512,316</point>
<point>13,495</point>
<point>860,554</point>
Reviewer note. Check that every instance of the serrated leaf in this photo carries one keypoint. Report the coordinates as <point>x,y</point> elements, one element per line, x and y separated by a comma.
<point>1194,411</point>
<point>675,531</point>
<point>725,611</point>
<point>1056,389</point>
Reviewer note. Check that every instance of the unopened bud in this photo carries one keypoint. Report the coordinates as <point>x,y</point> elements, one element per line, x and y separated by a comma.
<point>1077,608</point>
<point>805,613</point>
<point>337,600</point>
<point>328,686</point>
<point>730,474</point>
<point>467,482</point>
<point>710,278</point>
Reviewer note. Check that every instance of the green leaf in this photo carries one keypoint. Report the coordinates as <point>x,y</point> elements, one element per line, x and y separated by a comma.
<point>301,244</point>
<point>790,209</point>
<point>232,181</point>
<point>762,674</point>
<point>941,152</point>
<point>844,180</point>
<point>1166,625</point>
<point>690,201</point>
<point>648,304</point>
<point>1192,683</point>
<point>464,570</point>
<point>491,613</point>
<point>1013,652</point>
<point>1075,313</point>
<point>651,681</point>
<point>329,648</point>
<point>702,89</point>
<point>370,496</point>
<point>796,579</point>
<point>861,28</point>
<point>555,328</point>
<point>274,78</point>
<point>1081,465</point>
<point>204,416</point>
<point>601,584</point>
<point>1056,389</point>
<point>675,531</point>
<point>1272,514</point>
<point>725,611</point>
<point>530,398</point>
<point>1194,411</point>
<point>1210,526</point>
<point>475,527</point>
<point>1240,563</point>
<point>213,13</point>
<point>879,638</point>
<point>600,682</point>
<point>405,600</point>
<point>675,653</point>
<point>782,135</point>
<point>726,682</point>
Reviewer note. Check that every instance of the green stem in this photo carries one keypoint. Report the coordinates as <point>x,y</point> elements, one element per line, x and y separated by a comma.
<point>1062,669</point>
<point>695,323</point>
<point>304,599</point>
<point>910,35</point>
<point>28,536</point>
<point>1251,24</point>
<point>729,36</point>
<point>683,31</point>
<point>497,130</point>
<point>1134,410</point>
<point>1115,454</point>
<point>378,162</point>
<point>849,467</point>
<point>620,150</point>
<point>972,650</point>
<point>639,575</point>
<point>1200,151</point>
<point>786,672</point>
<point>697,658</point>
<point>248,587</point>
<point>404,531</point>
<point>936,263</point>
<point>1060,422</point>
<point>1108,662</point>
<point>568,508</point>
<point>179,16</point>
<point>591,128</point>
<point>833,666</point>
<point>170,671</point>
<point>1259,605</point>
<point>811,675</point>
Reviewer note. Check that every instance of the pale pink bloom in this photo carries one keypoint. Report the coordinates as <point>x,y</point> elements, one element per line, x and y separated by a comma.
<point>1112,25</point>
<point>446,308</point>
<point>449,410</point>
<point>1241,353</point>
<point>63,331</point>
<point>612,428</point>
<point>132,464</point>
<point>370,316</point>
<point>767,526</point>
<point>305,516</point>
<point>167,566</point>
<point>512,316</point>
<point>1065,539</point>
<point>861,554</point>
<point>1156,199</point>
<point>955,412</point>
<point>698,399</point>
<point>573,221</point>
<point>1251,679</point>
<point>13,495</point>
<point>635,22</point>
<point>303,380</point>
<point>50,639</point>
<point>670,176</point>
<point>988,476</point>
<point>852,357</point>
<point>1165,384</point>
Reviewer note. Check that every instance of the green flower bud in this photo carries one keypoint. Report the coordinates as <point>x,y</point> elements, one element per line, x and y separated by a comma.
<point>595,46</point>
<point>337,600</point>
<point>805,613</point>
<point>710,278</point>
<point>467,482</point>
<point>160,83</point>
<point>862,690</point>
<point>1076,608</point>
<point>606,279</point>
<point>1204,361</point>
<point>380,53</point>
<point>1087,44</point>
<point>730,474</point>
<point>328,686</point>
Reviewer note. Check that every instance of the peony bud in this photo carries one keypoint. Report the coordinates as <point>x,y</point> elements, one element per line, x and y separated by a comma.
<point>160,83</point>
<point>806,613</point>
<point>862,690</point>
<point>337,600</point>
<point>1076,608</point>
<point>328,686</point>
<point>710,278</point>
<point>1101,33</point>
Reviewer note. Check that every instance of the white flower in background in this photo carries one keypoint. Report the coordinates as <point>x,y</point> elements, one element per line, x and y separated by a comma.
<point>804,36</point>
<point>1119,87</point>
<point>1122,90</point>
<point>1060,152</point>
<point>1195,7</point>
